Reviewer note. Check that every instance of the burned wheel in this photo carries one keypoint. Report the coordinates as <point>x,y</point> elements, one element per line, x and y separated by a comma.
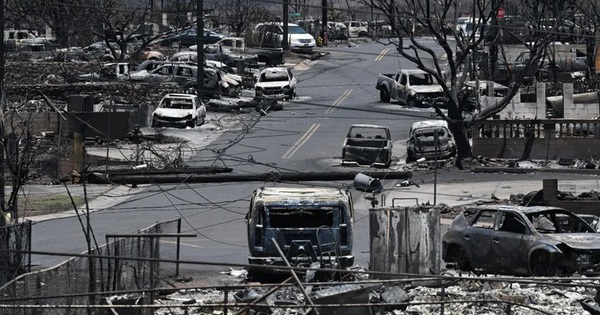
<point>462,260</point>
<point>411,102</point>
<point>544,264</point>
<point>384,96</point>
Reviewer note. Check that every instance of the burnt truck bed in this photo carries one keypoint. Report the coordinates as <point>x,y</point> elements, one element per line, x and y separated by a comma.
<point>367,145</point>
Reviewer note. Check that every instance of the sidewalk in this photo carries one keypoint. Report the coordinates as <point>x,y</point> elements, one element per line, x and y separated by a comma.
<point>456,194</point>
<point>99,197</point>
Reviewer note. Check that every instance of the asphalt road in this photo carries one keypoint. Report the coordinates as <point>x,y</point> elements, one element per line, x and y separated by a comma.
<point>306,135</point>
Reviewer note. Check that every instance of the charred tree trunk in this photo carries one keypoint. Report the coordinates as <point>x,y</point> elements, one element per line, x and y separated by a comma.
<point>459,130</point>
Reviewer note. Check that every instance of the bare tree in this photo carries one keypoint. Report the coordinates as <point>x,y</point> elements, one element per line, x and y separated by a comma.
<point>451,68</point>
<point>239,15</point>
<point>21,149</point>
<point>177,12</point>
<point>121,20</point>
<point>70,20</point>
<point>589,18</point>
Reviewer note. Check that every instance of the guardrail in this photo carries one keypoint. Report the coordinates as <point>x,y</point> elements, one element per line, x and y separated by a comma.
<point>537,139</point>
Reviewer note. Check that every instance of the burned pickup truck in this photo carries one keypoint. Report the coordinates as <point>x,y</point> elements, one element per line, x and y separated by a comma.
<point>367,145</point>
<point>413,87</point>
<point>310,225</point>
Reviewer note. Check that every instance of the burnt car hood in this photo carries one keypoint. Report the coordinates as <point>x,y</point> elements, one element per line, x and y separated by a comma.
<point>427,88</point>
<point>274,84</point>
<point>577,240</point>
<point>174,113</point>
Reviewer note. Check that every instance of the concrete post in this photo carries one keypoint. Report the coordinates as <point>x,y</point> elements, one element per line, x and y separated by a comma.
<point>550,188</point>
<point>568,105</point>
<point>540,99</point>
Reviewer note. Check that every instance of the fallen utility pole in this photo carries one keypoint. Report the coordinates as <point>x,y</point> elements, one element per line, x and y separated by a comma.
<point>261,177</point>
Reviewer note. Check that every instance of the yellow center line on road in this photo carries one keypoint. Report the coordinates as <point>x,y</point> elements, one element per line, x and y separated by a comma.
<point>382,54</point>
<point>339,101</point>
<point>301,141</point>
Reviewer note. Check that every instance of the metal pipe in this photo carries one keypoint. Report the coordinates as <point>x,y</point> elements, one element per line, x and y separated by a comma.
<point>264,296</point>
<point>295,276</point>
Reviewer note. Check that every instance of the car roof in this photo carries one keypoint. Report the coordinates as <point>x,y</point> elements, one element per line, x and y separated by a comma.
<point>276,23</point>
<point>368,126</point>
<point>429,123</point>
<point>180,95</point>
<point>414,71</point>
<point>525,210</point>
<point>275,69</point>
<point>483,85</point>
<point>295,194</point>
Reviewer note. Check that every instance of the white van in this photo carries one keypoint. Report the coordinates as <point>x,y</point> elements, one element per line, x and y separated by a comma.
<point>357,28</point>
<point>465,26</point>
<point>271,34</point>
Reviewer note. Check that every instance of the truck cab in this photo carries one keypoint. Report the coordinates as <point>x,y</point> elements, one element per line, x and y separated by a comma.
<point>413,87</point>
<point>308,224</point>
<point>24,39</point>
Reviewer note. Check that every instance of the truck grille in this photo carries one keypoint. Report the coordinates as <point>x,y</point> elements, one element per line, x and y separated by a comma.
<point>273,91</point>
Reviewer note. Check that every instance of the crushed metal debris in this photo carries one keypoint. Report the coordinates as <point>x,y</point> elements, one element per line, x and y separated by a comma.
<point>454,293</point>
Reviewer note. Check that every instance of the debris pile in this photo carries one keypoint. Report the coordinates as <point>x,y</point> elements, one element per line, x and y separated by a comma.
<point>449,294</point>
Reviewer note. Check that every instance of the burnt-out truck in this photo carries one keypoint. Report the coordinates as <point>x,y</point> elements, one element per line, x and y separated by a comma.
<point>310,225</point>
<point>367,145</point>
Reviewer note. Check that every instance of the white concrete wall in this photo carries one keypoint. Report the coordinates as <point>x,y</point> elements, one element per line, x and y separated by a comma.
<point>587,109</point>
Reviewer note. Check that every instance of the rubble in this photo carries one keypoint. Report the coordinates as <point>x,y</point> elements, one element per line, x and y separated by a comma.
<point>455,294</point>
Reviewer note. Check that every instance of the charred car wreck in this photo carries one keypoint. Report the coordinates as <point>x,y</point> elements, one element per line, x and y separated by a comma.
<point>310,225</point>
<point>539,241</point>
<point>430,139</point>
<point>367,145</point>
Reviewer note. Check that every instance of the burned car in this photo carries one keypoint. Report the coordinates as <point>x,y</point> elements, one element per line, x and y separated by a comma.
<point>275,83</point>
<point>367,145</point>
<point>310,225</point>
<point>179,110</point>
<point>516,240</point>
<point>430,139</point>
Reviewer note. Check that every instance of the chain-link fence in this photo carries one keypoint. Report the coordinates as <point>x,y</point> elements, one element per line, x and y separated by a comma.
<point>15,241</point>
<point>63,284</point>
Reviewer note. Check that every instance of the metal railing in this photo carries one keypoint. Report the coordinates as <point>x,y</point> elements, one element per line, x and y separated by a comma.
<point>62,284</point>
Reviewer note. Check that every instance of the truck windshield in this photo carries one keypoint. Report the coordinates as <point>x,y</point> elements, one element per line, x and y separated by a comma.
<point>285,217</point>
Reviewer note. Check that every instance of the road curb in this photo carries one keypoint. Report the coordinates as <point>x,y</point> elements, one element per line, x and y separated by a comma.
<point>108,199</point>
<point>534,170</point>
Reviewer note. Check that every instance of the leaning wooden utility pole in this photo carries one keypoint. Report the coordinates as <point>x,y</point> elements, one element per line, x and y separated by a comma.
<point>200,49</point>
<point>286,16</point>
<point>324,22</point>
<point>2,106</point>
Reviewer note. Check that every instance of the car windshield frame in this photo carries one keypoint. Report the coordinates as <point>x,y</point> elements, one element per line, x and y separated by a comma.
<point>178,103</point>
<point>294,29</point>
<point>555,225</point>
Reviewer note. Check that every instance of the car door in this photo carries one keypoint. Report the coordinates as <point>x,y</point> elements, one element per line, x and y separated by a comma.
<point>292,79</point>
<point>478,239</point>
<point>508,243</point>
<point>188,38</point>
<point>183,75</point>
<point>401,87</point>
